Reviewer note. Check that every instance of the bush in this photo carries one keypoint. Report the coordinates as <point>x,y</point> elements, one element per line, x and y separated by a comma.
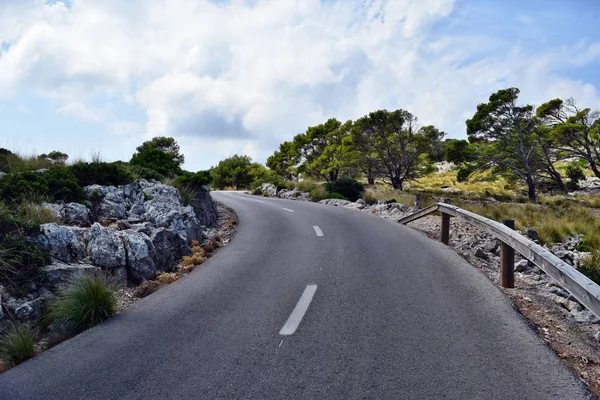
<point>194,180</point>
<point>85,302</point>
<point>144,173</point>
<point>58,183</point>
<point>317,194</point>
<point>334,195</point>
<point>575,174</point>
<point>101,173</point>
<point>591,267</point>
<point>16,344</point>
<point>369,198</point>
<point>464,173</point>
<point>349,188</point>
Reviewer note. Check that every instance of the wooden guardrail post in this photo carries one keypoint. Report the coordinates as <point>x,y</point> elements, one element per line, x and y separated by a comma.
<point>445,228</point>
<point>507,260</point>
<point>418,204</point>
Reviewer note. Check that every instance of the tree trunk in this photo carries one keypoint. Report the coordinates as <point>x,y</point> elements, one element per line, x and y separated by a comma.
<point>370,180</point>
<point>397,183</point>
<point>594,168</point>
<point>531,192</point>
<point>559,181</point>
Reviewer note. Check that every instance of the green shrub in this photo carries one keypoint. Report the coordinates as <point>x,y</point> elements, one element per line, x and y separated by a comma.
<point>102,173</point>
<point>4,165</point>
<point>20,262</point>
<point>369,198</point>
<point>334,195</point>
<point>306,185</point>
<point>144,173</point>
<point>194,180</point>
<point>464,173</point>
<point>349,188</point>
<point>58,183</point>
<point>16,344</point>
<point>575,175</point>
<point>317,193</point>
<point>86,301</point>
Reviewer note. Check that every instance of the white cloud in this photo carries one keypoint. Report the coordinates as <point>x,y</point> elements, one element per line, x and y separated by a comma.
<point>242,76</point>
<point>81,111</point>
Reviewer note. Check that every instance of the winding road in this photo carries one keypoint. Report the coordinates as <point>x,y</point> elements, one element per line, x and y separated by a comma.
<point>309,302</point>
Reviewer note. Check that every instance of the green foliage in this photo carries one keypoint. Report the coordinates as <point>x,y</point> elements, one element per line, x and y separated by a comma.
<point>58,183</point>
<point>349,188</point>
<point>575,174</point>
<point>160,154</point>
<point>394,142</point>
<point>237,171</point>
<point>55,156</point>
<point>464,172</point>
<point>194,180</point>
<point>285,161</point>
<point>458,151</point>
<point>591,267</point>
<point>86,301</point>
<point>334,195</point>
<point>20,261</point>
<point>324,150</point>
<point>16,344</point>
<point>143,173</point>
<point>317,193</point>
<point>4,165</point>
<point>102,173</point>
<point>370,198</point>
<point>507,137</point>
<point>434,136</point>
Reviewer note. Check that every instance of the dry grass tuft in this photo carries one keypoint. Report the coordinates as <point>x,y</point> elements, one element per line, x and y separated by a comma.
<point>167,278</point>
<point>146,288</point>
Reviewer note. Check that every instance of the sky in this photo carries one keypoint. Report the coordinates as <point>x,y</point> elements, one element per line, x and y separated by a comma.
<point>241,76</point>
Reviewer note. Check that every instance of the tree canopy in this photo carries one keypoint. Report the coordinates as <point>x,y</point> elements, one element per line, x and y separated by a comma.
<point>161,154</point>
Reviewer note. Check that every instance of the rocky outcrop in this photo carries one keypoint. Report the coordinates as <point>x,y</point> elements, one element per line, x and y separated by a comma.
<point>205,207</point>
<point>170,246</point>
<point>64,243</point>
<point>132,231</point>
<point>269,189</point>
<point>294,195</point>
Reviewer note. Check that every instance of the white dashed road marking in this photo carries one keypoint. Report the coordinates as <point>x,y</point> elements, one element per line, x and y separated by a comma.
<point>287,209</point>
<point>296,317</point>
<point>318,231</point>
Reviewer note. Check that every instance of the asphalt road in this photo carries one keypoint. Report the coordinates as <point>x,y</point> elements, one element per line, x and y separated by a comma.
<point>394,315</point>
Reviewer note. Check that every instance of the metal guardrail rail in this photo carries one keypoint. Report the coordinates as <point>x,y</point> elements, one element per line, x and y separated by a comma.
<point>580,286</point>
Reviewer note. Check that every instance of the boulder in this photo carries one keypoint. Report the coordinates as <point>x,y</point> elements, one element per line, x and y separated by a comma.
<point>269,189</point>
<point>166,210</point>
<point>205,207</point>
<point>2,174</point>
<point>64,243</point>
<point>295,195</point>
<point>76,214</point>
<point>334,202</point>
<point>170,247</point>
<point>356,206</point>
<point>521,265</point>
<point>141,256</point>
<point>105,247</point>
<point>24,310</point>
<point>112,204</point>
<point>58,273</point>
<point>54,209</point>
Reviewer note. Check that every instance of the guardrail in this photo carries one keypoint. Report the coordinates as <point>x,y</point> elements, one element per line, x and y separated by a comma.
<point>580,286</point>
